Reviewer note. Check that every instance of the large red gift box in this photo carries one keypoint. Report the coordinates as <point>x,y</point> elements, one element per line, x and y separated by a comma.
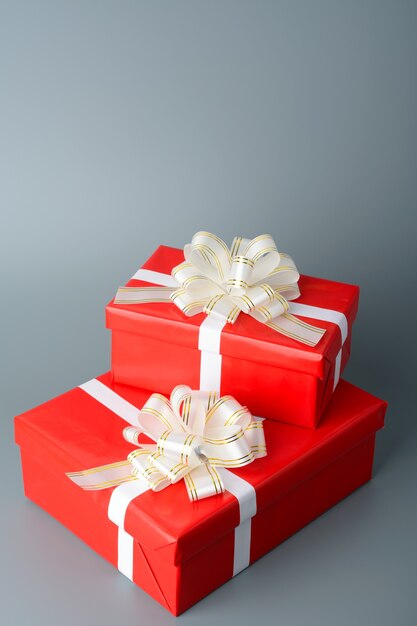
<point>154,345</point>
<point>176,550</point>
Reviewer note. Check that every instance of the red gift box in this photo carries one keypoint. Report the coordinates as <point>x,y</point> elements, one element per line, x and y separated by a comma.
<point>154,345</point>
<point>176,550</point>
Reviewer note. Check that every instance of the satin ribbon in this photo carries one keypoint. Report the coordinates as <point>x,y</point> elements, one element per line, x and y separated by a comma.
<point>195,433</point>
<point>251,277</point>
<point>210,330</point>
<point>123,494</point>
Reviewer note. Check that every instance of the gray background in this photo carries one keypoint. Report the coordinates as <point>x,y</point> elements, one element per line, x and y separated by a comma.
<point>125,124</point>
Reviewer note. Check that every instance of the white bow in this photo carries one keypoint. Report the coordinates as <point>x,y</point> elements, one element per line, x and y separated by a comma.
<point>251,277</point>
<point>195,432</point>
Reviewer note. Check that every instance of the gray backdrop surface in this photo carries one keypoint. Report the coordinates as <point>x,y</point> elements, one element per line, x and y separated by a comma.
<point>128,124</point>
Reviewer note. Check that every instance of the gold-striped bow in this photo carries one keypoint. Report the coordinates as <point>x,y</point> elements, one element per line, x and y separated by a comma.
<point>251,277</point>
<point>194,433</point>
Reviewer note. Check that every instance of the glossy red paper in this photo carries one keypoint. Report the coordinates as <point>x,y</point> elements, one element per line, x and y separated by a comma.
<point>155,345</point>
<point>304,473</point>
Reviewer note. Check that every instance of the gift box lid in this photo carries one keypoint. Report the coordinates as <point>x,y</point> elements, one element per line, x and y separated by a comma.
<point>75,431</point>
<point>246,338</point>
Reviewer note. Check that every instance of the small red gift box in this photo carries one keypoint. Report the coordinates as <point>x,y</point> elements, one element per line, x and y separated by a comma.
<point>176,550</point>
<point>154,345</point>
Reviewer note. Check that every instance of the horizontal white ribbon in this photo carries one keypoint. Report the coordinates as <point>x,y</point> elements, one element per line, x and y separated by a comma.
<point>251,277</point>
<point>124,493</point>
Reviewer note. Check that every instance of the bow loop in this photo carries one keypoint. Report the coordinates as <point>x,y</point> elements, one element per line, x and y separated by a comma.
<point>157,417</point>
<point>255,437</point>
<point>265,256</point>
<point>180,447</point>
<point>284,274</point>
<point>240,275</point>
<point>227,447</point>
<point>255,298</point>
<point>223,307</point>
<point>187,302</point>
<point>210,255</point>
<point>141,467</point>
<point>276,307</point>
<point>171,469</point>
<point>190,408</point>
<point>227,412</point>
<point>193,281</point>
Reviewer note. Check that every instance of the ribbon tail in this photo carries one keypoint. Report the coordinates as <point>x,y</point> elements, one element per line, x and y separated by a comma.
<point>104,476</point>
<point>189,304</point>
<point>255,437</point>
<point>292,327</point>
<point>141,460</point>
<point>142,295</point>
<point>173,469</point>
<point>203,481</point>
<point>230,450</point>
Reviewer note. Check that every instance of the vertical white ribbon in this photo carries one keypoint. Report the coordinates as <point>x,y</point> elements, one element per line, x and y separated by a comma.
<point>123,495</point>
<point>337,365</point>
<point>245,494</point>
<point>120,499</point>
<point>209,336</point>
<point>327,315</point>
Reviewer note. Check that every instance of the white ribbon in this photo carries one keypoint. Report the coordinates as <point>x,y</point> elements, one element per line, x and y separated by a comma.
<point>124,493</point>
<point>328,315</point>
<point>211,328</point>
<point>195,433</point>
<point>251,277</point>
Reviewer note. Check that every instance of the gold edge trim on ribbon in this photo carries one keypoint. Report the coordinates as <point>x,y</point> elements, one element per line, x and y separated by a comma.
<point>289,334</point>
<point>235,246</point>
<point>256,239</point>
<point>96,470</point>
<point>213,301</point>
<point>243,259</point>
<point>204,248</point>
<point>226,440</point>
<point>161,442</point>
<point>215,478</point>
<point>216,238</point>
<point>191,487</point>
<point>109,483</point>
<point>235,416</point>
<point>263,252</point>
<point>216,405</point>
<point>244,460</point>
<point>294,319</point>
<point>158,414</point>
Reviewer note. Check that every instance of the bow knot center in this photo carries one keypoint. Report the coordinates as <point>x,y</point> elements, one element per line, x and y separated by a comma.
<point>239,280</point>
<point>185,448</point>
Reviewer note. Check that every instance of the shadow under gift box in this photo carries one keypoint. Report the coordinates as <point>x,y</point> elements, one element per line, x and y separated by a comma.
<point>183,550</point>
<point>154,345</point>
